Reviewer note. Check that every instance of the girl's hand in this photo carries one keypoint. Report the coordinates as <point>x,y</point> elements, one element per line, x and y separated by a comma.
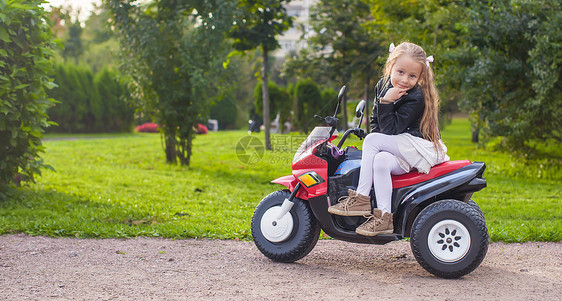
<point>393,94</point>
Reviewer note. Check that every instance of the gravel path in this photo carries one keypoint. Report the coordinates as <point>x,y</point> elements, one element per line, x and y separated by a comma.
<point>40,268</point>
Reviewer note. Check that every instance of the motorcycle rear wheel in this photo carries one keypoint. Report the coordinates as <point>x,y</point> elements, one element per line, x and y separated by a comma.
<point>449,238</point>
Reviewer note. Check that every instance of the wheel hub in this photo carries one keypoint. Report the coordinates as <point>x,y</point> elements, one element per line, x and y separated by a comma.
<point>273,229</point>
<point>449,240</point>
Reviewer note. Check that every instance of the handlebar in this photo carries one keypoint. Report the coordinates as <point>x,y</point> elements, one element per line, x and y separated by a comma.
<point>329,120</point>
<point>333,122</point>
<point>356,131</point>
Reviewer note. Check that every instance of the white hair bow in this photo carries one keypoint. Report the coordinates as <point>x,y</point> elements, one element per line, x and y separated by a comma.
<point>428,60</point>
<point>391,48</point>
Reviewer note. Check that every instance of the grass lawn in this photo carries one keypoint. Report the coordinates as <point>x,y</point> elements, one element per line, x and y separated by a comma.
<point>120,186</point>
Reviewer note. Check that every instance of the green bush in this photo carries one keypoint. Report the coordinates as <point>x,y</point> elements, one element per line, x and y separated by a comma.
<point>329,101</point>
<point>309,103</point>
<point>225,112</point>
<point>25,67</point>
<point>88,103</point>
<point>279,100</point>
<point>72,108</point>
<point>117,114</point>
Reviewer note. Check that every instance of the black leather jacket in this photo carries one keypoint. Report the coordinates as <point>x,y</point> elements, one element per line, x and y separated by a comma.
<point>402,116</point>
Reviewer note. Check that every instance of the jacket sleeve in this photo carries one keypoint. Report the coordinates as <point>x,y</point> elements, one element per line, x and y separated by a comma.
<point>394,119</point>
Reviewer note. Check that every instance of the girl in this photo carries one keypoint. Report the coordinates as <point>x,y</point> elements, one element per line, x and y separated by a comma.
<point>405,136</point>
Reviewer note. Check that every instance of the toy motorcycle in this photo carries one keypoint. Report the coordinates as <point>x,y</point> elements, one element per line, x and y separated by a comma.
<point>447,230</point>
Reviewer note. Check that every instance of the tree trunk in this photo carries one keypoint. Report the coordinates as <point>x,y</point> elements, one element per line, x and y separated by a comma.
<point>185,147</point>
<point>475,132</point>
<point>171,154</point>
<point>295,122</point>
<point>265,97</point>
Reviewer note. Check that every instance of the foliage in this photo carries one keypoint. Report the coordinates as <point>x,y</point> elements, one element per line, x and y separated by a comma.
<point>329,100</point>
<point>225,112</point>
<point>79,100</point>
<point>26,48</point>
<point>499,60</point>
<point>243,68</point>
<point>88,103</point>
<point>117,115</point>
<point>345,45</point>
<point>309,100</point>
<point>97,28</point>
<point>73,45</point>
<point>91,41</point>
<point>171,50</point>
<point>513,80</point>
<point>280,102</point>
<point>100,41</point>
<point>307,64</point>
<point>130,191</point>
<point>258,25</point>
<point>439,27</point>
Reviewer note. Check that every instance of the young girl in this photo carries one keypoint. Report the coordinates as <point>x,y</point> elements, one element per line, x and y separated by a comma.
<point>405,136</point>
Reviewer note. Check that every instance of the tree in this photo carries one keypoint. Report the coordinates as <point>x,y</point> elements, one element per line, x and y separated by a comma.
<point>512,85</point>
<point>257,26</point>
<point>73,44</point>
<point>100,43</point>
<point>346,45</point>
<point>172,50</point>
<point>279,98</point>
<point>26,49</point>
<point>439,27</point>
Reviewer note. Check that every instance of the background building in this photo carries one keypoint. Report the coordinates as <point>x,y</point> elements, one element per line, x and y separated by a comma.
<point>291,41</point>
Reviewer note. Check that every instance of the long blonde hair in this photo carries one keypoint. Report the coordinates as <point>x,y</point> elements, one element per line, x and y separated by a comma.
<point>429,125</point>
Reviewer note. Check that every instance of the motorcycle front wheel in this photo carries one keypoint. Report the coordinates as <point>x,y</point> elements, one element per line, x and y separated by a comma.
<point>287,239</point>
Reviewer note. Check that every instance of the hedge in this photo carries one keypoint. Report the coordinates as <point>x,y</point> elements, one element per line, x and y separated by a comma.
<point>88,103</point>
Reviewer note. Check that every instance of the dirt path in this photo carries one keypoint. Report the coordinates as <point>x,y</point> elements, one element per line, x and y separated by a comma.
<point>40,268</point>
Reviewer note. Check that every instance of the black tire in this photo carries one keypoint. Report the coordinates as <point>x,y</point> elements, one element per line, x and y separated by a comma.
<point>302,238</point>
<point>449,257</point>
<point>473,204</point>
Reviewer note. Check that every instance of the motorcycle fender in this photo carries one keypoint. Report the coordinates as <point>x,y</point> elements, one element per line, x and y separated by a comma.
<point>290,182</point>
<point>425,193</point>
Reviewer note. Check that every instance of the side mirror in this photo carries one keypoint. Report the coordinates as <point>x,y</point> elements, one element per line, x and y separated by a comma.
<point>342,91</point>
<point>359,109</point>
<point>340,97</point>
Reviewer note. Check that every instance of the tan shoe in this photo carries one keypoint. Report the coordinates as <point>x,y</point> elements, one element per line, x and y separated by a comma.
<point>376,224</point>
<point>352,205</point>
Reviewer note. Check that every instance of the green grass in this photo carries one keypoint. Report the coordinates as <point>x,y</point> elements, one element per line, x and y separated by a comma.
<point>120,186</point>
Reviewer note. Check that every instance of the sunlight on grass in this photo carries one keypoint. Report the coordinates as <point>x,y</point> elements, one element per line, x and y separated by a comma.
<point>120,186</point>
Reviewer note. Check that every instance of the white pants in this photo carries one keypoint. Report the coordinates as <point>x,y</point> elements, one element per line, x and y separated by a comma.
<point>377,164</point>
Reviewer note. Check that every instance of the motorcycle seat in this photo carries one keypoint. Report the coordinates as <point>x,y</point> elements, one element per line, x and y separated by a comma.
<point>414,177</point>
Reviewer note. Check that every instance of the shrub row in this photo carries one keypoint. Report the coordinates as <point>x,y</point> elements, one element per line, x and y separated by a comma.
<point>88,103</point>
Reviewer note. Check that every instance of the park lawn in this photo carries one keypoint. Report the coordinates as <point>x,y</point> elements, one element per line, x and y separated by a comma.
<point>120,186</point>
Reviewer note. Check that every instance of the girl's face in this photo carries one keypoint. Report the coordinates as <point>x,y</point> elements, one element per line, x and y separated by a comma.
<point>405,73</point>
